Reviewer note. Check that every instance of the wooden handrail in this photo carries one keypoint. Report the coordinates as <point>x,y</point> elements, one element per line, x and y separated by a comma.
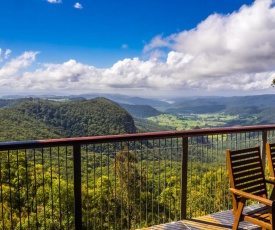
<point>128,137</point>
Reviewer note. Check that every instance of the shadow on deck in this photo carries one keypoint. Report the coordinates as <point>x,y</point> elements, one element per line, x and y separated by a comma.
<point>216,221</point>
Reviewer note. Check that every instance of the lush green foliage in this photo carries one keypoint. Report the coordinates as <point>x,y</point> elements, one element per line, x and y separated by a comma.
<point>39,119</point>
<point>125,190</point>
<point>141,111</point>
<point>17,126</point>
<point>194,121</point>
<point>146,125</point>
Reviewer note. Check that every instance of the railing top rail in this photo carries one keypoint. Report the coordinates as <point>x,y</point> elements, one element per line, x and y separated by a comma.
<point>128,137</point>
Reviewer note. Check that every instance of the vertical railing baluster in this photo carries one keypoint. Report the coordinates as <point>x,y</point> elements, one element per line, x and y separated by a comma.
<point>1,199</point>
<point>77,187</point>
<point>51,189</point>
<point>43,188</point>
<point>9,183</point>
<point>101,187</point>
<point>264,141</point>
<point>67,187</point>
<point>184,164</point>
<point>19,190</point>
<point>59,186</point>
<point>27,186</point>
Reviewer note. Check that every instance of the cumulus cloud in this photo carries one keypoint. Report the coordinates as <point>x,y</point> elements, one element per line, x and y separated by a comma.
<point>78,6</point>
<point>12,67</point>
<point>54,1</point>
<point>222,45</point>
<point>68,75</point>
<point>133,74</point>
<point>10,71</point>
<point>224,52</point>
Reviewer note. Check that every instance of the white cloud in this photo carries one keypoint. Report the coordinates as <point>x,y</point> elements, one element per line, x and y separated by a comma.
<point>54,1</point>
<point>10,71</point>
<point>5,55</point>
<point>78,6</point>
<point>69,75</point>
<point>222,45</point>
<point>224,52</point>
<point>12,67</point>
<point>128,74</point>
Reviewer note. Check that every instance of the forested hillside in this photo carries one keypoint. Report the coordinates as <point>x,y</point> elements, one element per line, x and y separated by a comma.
<point>141,111</point>
<point>70,116</point>
<point>12,102</point>
<point>39,119</point>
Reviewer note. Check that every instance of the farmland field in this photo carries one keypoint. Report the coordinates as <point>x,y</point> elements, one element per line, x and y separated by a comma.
<point>191,121</point>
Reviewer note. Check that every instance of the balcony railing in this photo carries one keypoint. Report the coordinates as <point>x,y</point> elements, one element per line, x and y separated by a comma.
<point>119,182</point>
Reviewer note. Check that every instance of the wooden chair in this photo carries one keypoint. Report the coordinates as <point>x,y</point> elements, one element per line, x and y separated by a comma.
<point>247,182</point>
<point>270,152</point>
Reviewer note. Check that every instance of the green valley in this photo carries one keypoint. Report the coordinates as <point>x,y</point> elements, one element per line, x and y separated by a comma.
<point>194,121</point>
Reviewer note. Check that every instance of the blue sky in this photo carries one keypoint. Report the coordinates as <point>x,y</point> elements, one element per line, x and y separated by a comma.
<point>147,48</point>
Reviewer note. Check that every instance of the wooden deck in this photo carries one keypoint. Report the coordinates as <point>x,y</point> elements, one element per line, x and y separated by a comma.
<point>217,221</point>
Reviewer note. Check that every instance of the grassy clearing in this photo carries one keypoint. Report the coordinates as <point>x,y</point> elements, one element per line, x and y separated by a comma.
<point>183,122</point>
<point>59,99</point>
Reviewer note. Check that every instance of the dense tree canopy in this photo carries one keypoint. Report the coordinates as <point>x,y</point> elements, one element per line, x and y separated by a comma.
<point>39,119</point>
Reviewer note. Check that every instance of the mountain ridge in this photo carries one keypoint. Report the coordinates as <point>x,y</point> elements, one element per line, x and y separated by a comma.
<point>67,119</point>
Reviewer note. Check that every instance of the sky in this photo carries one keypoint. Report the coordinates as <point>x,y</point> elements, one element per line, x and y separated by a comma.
<point>157,49</point>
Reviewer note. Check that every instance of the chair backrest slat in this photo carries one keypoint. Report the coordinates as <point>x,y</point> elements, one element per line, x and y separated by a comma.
<point>251,184</point>
<point>244,180</point>
<point>248,175</point>
<point>248,161</point>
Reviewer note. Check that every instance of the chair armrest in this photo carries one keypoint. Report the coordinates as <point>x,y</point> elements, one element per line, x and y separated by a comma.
<point>251,196</point>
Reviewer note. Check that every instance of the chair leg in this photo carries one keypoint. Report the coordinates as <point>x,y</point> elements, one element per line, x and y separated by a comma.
<point>238,214</point>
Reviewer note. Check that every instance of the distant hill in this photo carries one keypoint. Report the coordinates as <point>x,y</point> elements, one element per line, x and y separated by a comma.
<point>251,104</point>
<point>266,100</point>
<point>71,116</point>
<point>266,116</point>
<point>141,111</point>
<point>119,98</point>
<point>39,119</point>
<point>12,102</point>
<point>244,110</point>
<point>144,125</point>
<point>197,109</point>
<point>124,99</point>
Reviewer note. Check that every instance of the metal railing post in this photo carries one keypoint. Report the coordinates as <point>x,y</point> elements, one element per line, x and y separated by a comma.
<point>77,187</point>
<point>184,164</point>
<point>264,141</point>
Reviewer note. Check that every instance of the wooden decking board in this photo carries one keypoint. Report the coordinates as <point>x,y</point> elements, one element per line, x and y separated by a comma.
<point>216,221</point>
